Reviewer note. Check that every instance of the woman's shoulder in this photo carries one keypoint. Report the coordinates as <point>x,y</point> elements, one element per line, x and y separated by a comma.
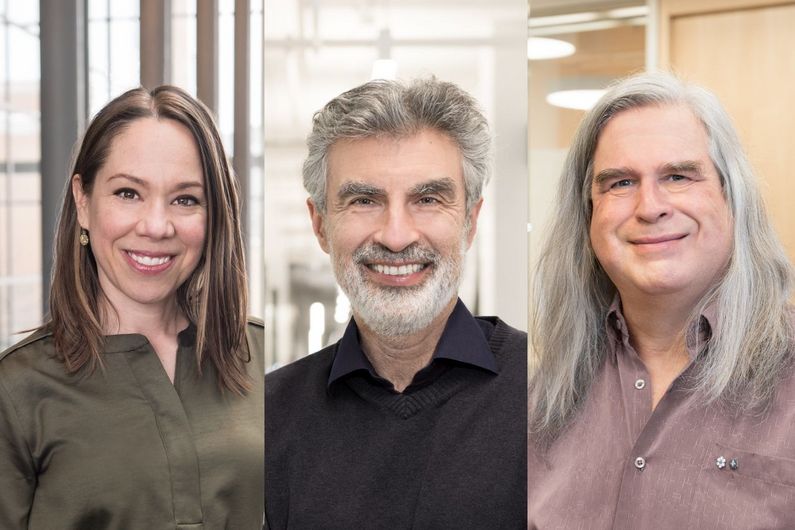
<point>34,345</point>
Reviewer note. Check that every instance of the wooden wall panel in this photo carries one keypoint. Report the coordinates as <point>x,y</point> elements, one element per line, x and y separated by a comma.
<point>744,51</point>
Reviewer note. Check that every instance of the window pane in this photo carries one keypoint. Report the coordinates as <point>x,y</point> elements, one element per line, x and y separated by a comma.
<point>20,152</point>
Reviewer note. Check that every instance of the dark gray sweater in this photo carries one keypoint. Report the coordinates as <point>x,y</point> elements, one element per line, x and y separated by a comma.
<point>452,454</point>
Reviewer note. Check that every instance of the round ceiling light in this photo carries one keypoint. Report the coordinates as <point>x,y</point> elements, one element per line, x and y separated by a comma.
<point>540,48</point>
<point>581,99</point>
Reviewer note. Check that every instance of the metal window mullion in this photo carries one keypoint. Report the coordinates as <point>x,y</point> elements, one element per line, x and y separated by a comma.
<point>207,53</point>
<point>155,31</point>
<point>242,108</point>
<point>63,109</point>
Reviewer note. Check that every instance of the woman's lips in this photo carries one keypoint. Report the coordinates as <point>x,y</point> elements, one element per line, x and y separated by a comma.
<point>148,262</point>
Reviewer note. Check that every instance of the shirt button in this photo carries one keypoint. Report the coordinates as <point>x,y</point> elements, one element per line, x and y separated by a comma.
<point>640,384</point>
<point>640,462</point>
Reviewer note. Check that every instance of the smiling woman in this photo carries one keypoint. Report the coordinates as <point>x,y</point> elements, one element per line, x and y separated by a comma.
<point>139,402</point>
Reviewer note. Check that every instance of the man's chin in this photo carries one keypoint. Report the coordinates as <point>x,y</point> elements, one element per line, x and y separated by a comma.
<point>391,317</point>
<point>392,325</point>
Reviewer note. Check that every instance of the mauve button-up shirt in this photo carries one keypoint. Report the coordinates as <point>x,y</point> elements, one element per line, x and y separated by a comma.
<point>683,465</point>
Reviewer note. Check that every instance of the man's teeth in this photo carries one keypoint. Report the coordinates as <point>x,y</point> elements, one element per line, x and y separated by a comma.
<point>397,271</point>
<point>149,261</point>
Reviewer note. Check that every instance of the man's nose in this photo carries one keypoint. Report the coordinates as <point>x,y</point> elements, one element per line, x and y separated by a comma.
<point>155,221</point>
<point>653,202</point>
<point>398,228</point>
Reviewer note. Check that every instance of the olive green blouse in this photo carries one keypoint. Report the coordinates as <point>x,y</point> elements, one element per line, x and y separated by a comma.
<point>124,448</point>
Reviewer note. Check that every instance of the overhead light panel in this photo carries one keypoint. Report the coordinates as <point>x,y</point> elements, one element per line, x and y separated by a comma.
<point>541,48</point>
<point>579,99</point>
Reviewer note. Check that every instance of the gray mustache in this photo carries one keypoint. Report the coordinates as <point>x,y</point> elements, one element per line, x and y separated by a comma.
<point>378,252</point>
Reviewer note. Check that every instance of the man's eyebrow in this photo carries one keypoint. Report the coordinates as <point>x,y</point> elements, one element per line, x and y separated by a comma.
<point>614,173</point>
<point>618,173</point>
<point>349,189</point>
<point>685,166</point>
<point>443,186</point>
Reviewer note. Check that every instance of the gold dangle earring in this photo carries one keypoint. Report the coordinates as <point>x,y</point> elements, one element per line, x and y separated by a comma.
<point>83,237</point>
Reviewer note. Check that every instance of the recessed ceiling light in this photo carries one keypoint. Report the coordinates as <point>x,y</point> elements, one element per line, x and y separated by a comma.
<point>581,99</point>
<point>539,48</point>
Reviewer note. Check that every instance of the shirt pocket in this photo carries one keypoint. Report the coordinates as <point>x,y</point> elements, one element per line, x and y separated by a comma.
<point>744,490</point>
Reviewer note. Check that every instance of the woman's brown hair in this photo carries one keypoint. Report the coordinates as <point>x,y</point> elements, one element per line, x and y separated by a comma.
<point>213,298</point>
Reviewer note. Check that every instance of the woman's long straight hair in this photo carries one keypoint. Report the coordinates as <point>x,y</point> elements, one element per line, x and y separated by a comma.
<point>214,298</point>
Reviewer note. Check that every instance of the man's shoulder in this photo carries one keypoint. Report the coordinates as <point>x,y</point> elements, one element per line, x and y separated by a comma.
<point>307,371</point>
<point>503,334</point>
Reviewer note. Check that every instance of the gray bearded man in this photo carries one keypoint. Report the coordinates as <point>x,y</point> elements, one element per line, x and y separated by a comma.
<point>663,393</point>
<point>416,418</point>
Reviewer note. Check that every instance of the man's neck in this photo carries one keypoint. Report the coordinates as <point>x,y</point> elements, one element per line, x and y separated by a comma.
<point>657,331</point>
<point>397,359</point>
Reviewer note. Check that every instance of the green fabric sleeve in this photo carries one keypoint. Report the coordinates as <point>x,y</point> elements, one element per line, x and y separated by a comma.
<point>17,473</point>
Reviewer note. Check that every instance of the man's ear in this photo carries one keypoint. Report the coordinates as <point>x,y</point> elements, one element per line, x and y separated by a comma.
<point>81,201</point>
<point>473,221</point>
<point>317,224</point>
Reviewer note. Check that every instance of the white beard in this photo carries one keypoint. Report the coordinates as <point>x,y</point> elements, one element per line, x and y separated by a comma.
<point>392,311</point>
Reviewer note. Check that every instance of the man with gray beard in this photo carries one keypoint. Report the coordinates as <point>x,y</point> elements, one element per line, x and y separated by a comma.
<point>417,417</point>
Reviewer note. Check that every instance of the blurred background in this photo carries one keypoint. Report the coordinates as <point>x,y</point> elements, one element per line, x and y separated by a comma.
<point>740,49</point>
<point>316,50</point>
<point>61,61</point>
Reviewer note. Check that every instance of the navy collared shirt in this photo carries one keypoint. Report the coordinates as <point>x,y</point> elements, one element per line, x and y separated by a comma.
<point>464,340</point>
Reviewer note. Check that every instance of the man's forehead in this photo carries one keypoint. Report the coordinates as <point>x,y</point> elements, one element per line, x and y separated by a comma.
<point>660,135</point>
<point>395,162</point>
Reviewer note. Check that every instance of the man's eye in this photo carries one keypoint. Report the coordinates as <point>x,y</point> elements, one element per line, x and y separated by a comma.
<point>623,183</point>
<point>126,194</point>
<point>186,200</point>
<point>363,201</point>
<point>678,178</point>
<point>428,200</point>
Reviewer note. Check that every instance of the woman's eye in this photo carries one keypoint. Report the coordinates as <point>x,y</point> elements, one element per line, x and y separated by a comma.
<point>186,200</point>
<point>126,194</point>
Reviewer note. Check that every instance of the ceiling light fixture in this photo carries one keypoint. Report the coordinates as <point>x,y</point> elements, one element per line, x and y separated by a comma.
<point>579,99</point>
<point>541,48</point>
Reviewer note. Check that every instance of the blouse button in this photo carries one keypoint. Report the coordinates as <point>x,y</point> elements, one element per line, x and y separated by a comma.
<point>640,384</point>
<point>640,462</point>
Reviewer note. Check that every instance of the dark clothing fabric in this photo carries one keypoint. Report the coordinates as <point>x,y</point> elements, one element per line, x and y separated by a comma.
<point>683,465</point>
<point>124,448</point>
<point>356,454</point>
<point>462,342</point>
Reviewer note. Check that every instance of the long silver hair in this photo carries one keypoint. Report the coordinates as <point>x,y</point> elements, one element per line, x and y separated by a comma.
<point>394,109</point>
<point>571,293</point>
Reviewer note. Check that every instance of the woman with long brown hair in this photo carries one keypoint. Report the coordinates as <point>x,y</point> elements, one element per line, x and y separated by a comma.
<point>138,403</point>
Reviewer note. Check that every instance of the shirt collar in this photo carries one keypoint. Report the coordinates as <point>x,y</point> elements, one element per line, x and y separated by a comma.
<point>463,340</point>
<point>697,335</point>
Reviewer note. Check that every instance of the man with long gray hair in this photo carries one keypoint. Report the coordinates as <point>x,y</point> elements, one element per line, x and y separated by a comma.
<point>662,393</point>
<point>416,418</point>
